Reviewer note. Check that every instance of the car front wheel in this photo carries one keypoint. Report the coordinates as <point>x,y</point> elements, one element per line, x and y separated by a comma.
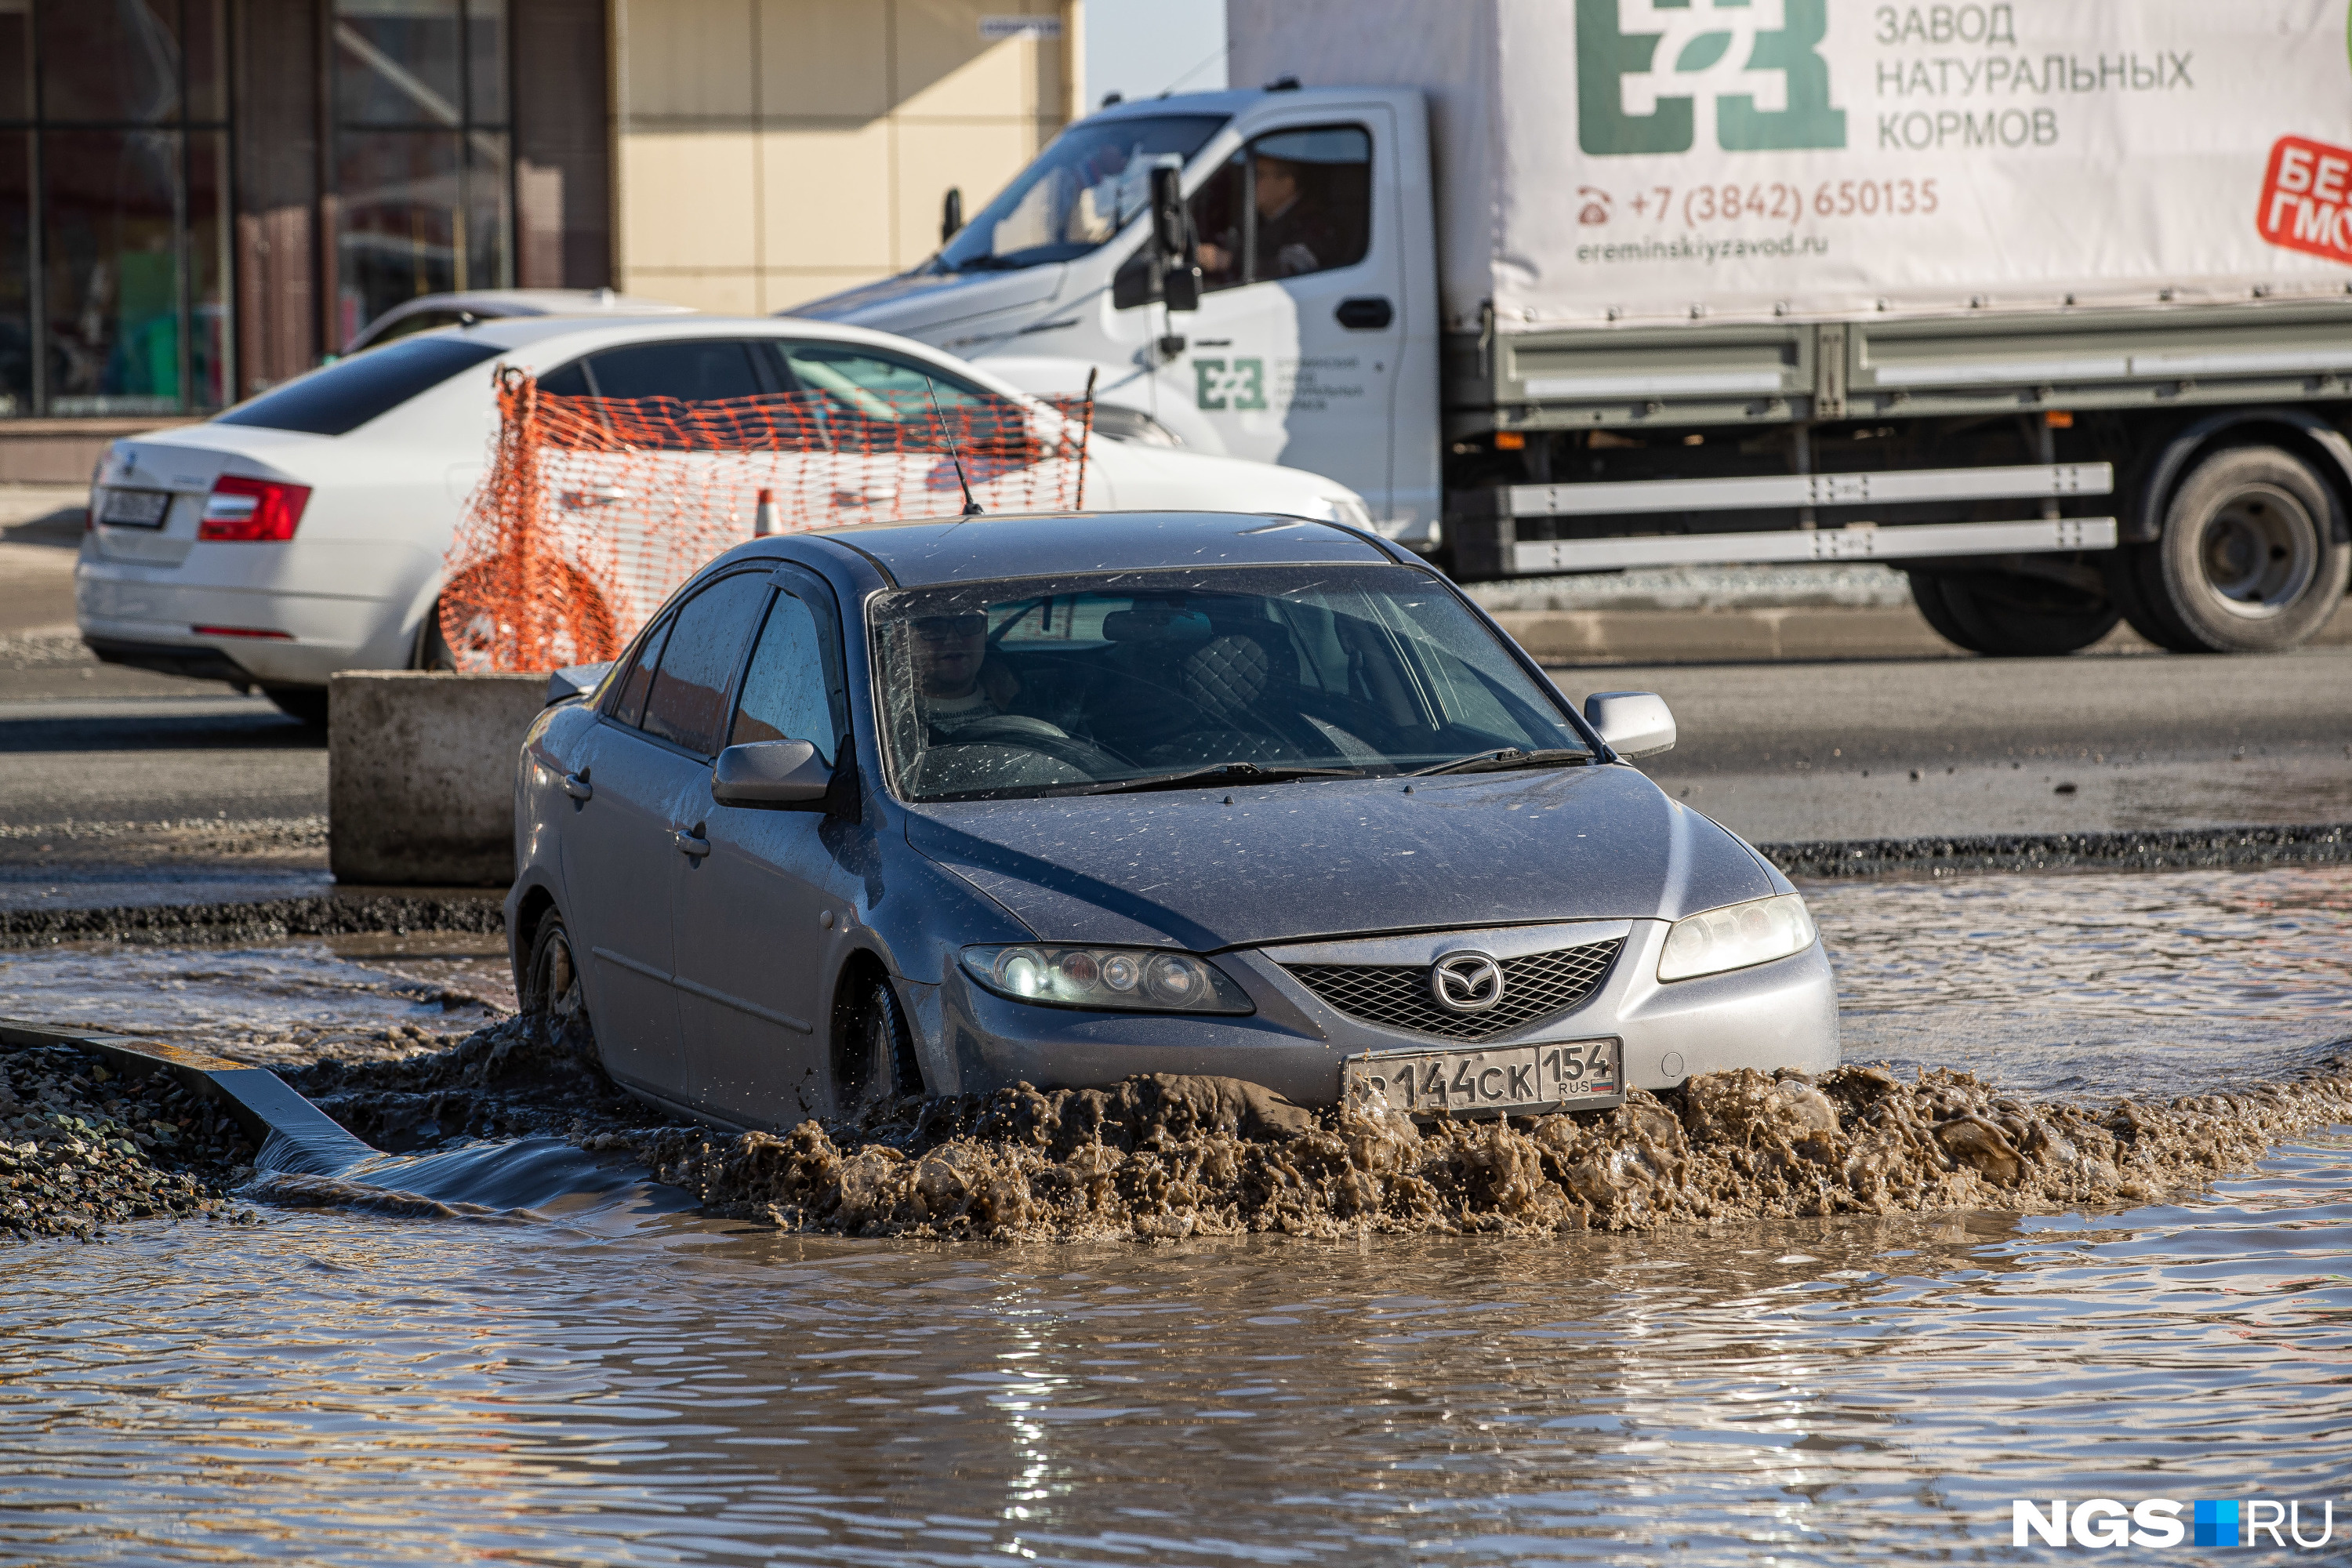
<point>873,1049</point>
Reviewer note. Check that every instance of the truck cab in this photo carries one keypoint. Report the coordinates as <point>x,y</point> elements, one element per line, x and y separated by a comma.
<point>1314,339</point>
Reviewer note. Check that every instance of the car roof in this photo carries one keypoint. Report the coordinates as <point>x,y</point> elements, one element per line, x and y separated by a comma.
<point>1053,545</point>
<point>543,342</point>
<point>500,303</point>
<point>598,331</point>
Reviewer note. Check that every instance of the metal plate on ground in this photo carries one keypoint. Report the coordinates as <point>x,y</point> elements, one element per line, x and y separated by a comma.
<point>1506,1080</point>
<point>134,509</point>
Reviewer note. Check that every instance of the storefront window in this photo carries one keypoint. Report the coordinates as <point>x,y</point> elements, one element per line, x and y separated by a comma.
<point>421,155</point>
<point>16,273</point>
<point>113,286</point>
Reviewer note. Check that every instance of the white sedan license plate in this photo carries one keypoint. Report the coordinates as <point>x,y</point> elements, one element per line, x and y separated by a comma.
<point>1514,1080</point>
<point>135,508</point>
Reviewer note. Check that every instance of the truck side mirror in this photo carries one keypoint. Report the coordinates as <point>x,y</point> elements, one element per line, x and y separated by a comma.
<point>1181,285</point>
<point>952,214</point>
<point>1177,252</point>
<point>784,775</point>
<point>1634,723</point>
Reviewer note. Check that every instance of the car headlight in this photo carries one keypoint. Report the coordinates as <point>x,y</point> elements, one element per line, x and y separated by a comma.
<point>1138,979</point>
<point>1349,510</point>
<point>1736,936</point>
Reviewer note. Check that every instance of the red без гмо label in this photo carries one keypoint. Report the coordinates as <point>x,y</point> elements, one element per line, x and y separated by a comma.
<point>2307,198</point>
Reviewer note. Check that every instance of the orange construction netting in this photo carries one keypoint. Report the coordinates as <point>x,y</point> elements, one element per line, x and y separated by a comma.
<point>594,510</point>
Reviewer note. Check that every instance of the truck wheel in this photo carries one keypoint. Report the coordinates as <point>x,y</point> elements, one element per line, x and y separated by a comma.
<point>2249,561</point>
<point>873,1047</point>
<point>2003,614</point>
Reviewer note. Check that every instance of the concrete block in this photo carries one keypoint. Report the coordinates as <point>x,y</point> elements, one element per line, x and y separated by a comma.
<point>420,775</point>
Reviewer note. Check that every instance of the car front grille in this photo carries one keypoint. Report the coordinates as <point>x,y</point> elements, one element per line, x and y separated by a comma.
<point>1397,997</point>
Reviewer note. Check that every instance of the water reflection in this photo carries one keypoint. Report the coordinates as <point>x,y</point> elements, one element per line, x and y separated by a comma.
<point>278,1006</point>
<point>339,1389</point>
<point>2099,983</point>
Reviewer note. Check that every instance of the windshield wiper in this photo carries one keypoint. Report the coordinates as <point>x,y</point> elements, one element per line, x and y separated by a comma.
<point>1507,758</point>
<point>1223,773</point>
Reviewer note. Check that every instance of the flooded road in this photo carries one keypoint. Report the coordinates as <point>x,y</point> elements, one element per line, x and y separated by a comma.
<point>621,1382</point>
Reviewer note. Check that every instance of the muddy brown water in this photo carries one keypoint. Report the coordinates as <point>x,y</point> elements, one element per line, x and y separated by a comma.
<point>621,1381</point>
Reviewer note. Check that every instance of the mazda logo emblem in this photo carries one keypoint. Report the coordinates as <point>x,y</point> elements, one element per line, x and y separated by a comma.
<point>1465,982</point>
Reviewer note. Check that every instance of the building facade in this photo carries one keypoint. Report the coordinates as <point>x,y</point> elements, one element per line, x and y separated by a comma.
<point>200,198</point>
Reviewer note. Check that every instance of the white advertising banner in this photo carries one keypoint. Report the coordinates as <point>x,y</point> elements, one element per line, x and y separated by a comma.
<point>1656,160</point>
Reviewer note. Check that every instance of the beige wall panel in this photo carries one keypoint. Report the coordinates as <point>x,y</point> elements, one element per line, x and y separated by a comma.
<point>784,290</point>
<point>826,196</point>
<point>825,57</point>
<point>689,59</point>
<point>687,200</point>
<point>980,157</point>
<point>944,67</point>
<point>721,293</point>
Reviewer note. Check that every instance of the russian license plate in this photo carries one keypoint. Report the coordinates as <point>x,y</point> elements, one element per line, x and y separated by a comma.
<point>134,509</point>
<point>1514,1080</point>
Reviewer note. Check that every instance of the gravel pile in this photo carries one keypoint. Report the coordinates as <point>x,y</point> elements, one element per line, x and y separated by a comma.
<point>2144,850</point>
<point>82,1148</point>
<point>271,919</point>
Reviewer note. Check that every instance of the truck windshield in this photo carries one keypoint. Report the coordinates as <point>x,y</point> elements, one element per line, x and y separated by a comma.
<point>1193,677</point>
<point>1083,188</point>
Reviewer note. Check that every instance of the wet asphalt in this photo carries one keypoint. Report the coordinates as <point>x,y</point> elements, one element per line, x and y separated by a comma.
<point>117,775</point>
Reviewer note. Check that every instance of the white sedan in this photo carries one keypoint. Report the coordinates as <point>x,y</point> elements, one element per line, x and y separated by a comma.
<point>305,531</point>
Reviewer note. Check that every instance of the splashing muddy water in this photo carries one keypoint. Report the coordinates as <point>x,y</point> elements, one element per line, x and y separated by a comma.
<point>1168,1157</point>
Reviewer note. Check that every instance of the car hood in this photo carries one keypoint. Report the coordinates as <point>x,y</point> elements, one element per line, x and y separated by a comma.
<point>1329,858</point>
<point>917,302</point>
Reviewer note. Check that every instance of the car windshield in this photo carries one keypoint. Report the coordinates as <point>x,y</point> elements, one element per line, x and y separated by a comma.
<point>1082,189</point>
<point>1200,678</point>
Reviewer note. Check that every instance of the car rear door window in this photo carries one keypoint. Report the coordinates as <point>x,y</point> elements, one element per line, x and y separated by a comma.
<point>567,381</point>
<point>688,704</point>
<point>628,705</point>
<point>877,401</point>
<point>692,369</point>
<point>795,689</point>
<point>348,393</point>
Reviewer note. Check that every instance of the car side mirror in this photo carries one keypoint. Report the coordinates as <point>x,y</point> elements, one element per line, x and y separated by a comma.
<point>784,775</point>
<point>573,680</point>
<point>1634,723</point>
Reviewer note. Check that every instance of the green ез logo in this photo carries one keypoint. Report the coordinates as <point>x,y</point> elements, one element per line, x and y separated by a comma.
<point>1242,386</point>
<point>1648,73</point>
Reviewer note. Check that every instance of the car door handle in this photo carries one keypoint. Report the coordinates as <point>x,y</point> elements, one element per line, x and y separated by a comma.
<point>691,844</point>
<point>577,786</point>
<point>1365,313</point>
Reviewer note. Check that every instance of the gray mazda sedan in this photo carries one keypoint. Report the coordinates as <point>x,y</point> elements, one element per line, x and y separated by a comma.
<point>942,806</point>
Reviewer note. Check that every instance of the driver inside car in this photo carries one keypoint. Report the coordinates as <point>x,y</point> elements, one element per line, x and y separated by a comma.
<point>959,685</point>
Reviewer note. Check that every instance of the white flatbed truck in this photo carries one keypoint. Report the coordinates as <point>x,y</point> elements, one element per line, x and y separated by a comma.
<point>2048,304</point>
